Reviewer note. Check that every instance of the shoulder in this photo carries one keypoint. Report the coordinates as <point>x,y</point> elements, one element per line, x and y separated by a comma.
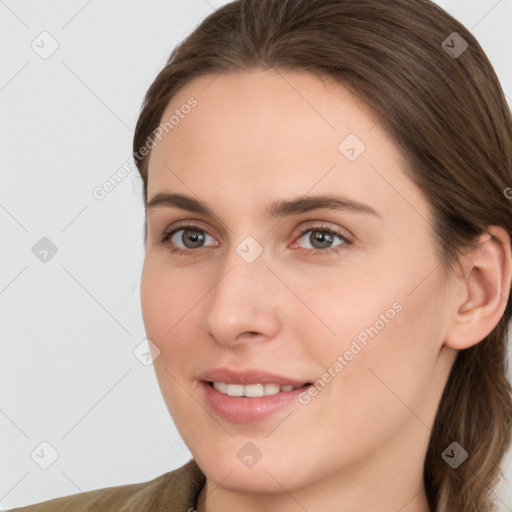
<point>175,491</point>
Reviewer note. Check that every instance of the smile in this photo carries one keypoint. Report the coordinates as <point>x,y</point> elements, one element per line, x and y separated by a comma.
<point>251,390</point>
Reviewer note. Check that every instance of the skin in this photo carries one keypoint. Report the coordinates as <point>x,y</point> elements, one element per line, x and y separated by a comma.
<point>360,444</point>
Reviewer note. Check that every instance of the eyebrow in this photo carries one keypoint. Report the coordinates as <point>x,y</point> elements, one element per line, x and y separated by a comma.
<point>280,208</point>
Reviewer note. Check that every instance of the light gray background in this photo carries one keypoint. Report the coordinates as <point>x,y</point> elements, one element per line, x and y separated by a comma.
<point>68,374</point>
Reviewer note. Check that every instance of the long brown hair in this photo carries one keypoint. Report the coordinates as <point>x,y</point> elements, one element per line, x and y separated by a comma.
<point>443,105</point>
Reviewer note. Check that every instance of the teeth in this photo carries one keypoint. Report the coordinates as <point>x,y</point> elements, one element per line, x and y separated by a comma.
<point>251,390</point>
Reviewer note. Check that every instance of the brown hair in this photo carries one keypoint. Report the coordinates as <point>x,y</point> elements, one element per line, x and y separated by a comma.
<point>448,115</point>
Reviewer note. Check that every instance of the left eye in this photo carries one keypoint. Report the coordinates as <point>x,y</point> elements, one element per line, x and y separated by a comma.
<point>324,237</point>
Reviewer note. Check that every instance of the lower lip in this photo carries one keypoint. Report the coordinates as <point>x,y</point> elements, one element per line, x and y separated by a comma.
<point>241,409</point>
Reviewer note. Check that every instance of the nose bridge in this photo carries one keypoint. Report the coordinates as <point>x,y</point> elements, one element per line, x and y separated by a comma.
<point>245,264</point>
<point>243,300</point>
<point>243,272</point>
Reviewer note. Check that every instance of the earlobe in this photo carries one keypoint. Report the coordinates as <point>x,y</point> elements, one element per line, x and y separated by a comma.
<point>487,280</point>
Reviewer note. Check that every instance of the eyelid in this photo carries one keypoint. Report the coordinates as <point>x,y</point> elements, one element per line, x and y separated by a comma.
<point>188,224</point>
<point>321,225</point>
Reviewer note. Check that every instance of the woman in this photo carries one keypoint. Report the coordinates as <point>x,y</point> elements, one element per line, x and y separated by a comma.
<point>328,262</point>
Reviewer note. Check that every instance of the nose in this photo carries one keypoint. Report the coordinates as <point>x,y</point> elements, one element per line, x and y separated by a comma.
<point>243,305</point>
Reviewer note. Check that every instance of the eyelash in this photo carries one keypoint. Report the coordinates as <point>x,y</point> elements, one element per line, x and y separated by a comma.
<point>315,252</point>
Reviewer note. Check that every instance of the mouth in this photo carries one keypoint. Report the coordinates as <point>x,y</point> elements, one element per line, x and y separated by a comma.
<point>249,403</point>
<point>248,395</point>
<point>254,390</point>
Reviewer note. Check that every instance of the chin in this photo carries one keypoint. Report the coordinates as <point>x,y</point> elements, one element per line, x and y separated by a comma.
<point>268,475</point>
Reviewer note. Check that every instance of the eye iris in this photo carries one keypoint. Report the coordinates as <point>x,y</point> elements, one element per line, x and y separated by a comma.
<point>322,237</point>
<point>194,235</point>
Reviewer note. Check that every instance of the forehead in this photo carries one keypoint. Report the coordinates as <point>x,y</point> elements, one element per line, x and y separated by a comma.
<point>264,133</point>
<point>265,112</point>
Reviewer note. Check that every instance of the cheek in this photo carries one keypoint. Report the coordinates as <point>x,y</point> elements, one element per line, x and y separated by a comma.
<point>167,309</point>
<point>166,297</point>
<point>171,309</point>
<point>384,328</point>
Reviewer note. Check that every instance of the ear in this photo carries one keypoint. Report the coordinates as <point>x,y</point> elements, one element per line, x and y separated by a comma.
<point>487,274</point>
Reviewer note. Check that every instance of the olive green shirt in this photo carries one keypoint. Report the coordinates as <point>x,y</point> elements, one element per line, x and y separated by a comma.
<point>175,491</point>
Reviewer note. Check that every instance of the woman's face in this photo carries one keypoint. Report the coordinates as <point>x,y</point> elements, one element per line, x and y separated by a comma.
<point>271,286</point>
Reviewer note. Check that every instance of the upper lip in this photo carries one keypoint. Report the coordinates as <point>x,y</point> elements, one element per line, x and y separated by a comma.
<point>248,376</point>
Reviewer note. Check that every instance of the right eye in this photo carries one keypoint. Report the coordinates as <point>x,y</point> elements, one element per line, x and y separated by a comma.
<point>190,236</point>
